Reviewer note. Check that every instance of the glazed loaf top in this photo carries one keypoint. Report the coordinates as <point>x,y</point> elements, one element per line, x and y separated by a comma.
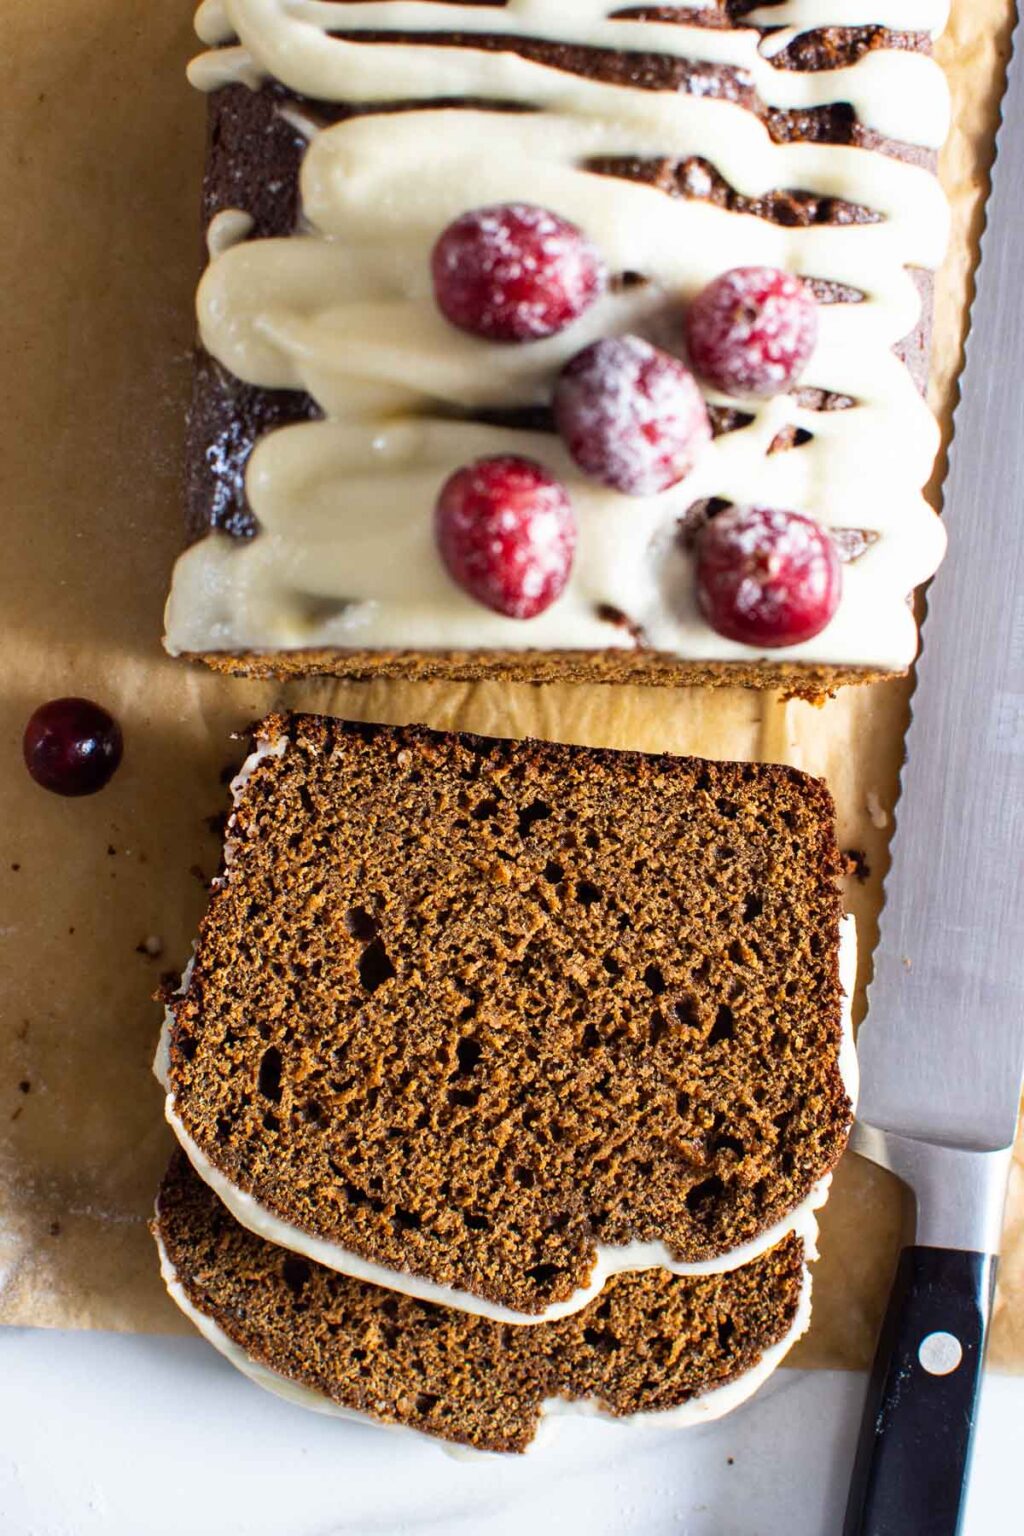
<point>568,104</point>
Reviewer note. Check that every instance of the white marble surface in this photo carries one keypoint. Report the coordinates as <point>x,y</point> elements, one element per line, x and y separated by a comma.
<point>130,1436</point>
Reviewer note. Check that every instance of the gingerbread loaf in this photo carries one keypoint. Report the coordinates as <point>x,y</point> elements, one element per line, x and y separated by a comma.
<point>335,398</point>
<point>489,1021</point>
<point>655,1349</point>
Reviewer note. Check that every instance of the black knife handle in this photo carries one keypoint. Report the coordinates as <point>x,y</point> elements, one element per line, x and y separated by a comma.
<point>910,1472</point>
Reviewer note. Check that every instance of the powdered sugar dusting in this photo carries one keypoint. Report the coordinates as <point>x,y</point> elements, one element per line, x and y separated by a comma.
<point>752,330</point>
<point>515,273</point>
<point>631,415</point>
<point>507,534</point>
<point>767,577</point>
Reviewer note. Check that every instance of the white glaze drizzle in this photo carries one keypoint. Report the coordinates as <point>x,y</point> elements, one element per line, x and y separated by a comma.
<point>339,69</point>
<point>898,15</point>
<point>703,1409</point>
<point>345,555</point>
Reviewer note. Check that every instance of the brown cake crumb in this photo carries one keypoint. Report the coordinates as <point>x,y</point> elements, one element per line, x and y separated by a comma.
<point>470,1008</point>
<point>855,864</point>
<point>797,680</point>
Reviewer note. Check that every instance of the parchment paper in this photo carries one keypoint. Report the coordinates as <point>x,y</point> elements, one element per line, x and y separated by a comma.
<point>102,154</point>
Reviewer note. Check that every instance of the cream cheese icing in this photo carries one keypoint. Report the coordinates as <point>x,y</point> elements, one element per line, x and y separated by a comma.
<point>703,1409</point>
<point>609,1260</point>
<point>291,43</point>
<point>345,555</point>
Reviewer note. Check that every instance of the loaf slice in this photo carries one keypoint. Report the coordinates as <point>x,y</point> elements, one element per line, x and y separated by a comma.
<point>342,143</point>
<point>654,1349</point>
<point>487,1021</point>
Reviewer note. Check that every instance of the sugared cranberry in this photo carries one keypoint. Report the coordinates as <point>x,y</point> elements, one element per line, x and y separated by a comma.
<point>767,578</point>
<point>72,746</point>
<point>751,331</point>
<point>632,416</point>
<point>507,533</point>
<point>514,273</point>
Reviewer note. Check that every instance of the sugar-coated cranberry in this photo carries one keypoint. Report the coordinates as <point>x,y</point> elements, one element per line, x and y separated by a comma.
<point>632,416</point>
<point>72,746</point>
<point>751,331</point>
<point>514,273</point>
<point>507,534</point>
<point>767,578</point>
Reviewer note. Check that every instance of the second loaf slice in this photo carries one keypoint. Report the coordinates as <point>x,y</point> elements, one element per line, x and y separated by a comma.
<point>654,1349</point>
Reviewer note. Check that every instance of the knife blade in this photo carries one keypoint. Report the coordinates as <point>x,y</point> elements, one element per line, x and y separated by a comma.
<point>941,1055</point>
<point>942,1048</point>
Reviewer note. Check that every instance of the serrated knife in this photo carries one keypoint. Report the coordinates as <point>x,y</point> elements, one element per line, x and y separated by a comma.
<point>943,1044</point>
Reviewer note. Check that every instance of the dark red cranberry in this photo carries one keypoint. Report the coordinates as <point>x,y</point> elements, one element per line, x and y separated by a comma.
<point>751,331</point>
<point>507,534</point>
<point>632,416</point>
<point>767,578</point>
<point>72,746</point>
<point>514,273</point>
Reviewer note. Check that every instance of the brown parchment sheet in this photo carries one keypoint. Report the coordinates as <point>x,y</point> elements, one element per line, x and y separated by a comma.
<point>102,146</point>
